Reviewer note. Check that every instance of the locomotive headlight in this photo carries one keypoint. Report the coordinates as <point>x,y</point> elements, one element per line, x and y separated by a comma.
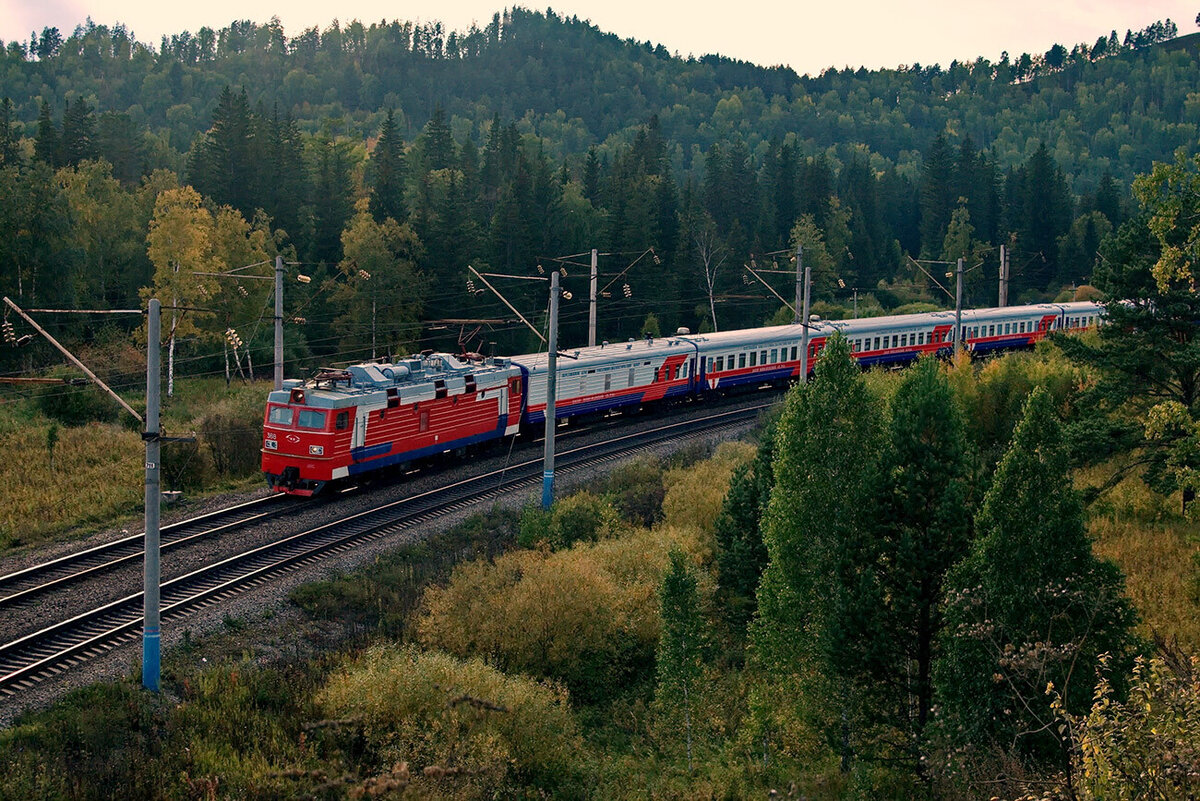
<point>271,445</point>
<point>316,450</point>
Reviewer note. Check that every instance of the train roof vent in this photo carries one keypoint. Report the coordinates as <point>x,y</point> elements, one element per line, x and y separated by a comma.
<point>367,375</point>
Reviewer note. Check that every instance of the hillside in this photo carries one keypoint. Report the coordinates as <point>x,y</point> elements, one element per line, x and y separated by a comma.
<point>574,85</point>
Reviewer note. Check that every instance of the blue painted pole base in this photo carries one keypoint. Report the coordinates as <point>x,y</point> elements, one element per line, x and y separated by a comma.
<point>547,488</point>
<point>151,643</point>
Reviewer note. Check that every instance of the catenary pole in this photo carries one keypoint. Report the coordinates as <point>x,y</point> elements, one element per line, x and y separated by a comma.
<point>279,322</point>
<point>806,292</point>
<point>95,379</point>
<point>551,390</point>
<point>151,637</point>
<point>592,302</point>
<point>1003,296</point>
<point>958,296</point>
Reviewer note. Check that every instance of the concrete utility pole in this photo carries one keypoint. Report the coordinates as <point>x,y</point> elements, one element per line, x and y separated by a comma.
<point>1002,300</point>
<point>279,322</point>
<point>958,293</point>
<point>804,314</point>
<point>151,637</point>
<point>799,283</point>
<point>551,391</point>
<point>95,379</point>
<point>592,302</point>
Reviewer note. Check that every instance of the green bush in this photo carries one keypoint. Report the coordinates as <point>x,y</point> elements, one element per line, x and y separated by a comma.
<point>637,491</point>
<point>232,434</point>
<point>466,729</point>
<point>78,405</point>
<point>582,517</point>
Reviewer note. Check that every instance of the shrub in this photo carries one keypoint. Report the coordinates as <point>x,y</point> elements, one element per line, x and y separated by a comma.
<point>1148,746</point>
<point>586,616</point>
<point>76,405</point>
<point>636,490</point>
<point>232,434</point>
<point>468,730</point>
<point>582,517</point>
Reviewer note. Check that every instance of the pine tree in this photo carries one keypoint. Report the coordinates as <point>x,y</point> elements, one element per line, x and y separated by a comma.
<point>926,529</point>
<point>9,140</point>
<point>387,161</point>
<point>78,133</point>
<point>437,142</point>
<point>820,534</point>
<point>1031,605</point>
<point>47,146</point>
<point>332,200</point>
<point>678,658</point>
<point>741,554</point>
<point>937,195</point>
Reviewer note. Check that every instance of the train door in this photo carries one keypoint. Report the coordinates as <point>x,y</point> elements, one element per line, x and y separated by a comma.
<point>358,438</point>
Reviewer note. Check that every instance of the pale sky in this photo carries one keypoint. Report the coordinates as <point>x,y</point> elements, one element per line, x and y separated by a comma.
<point>806,36</point>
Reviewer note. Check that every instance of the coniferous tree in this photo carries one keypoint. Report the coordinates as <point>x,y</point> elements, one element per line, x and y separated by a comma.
<point>741,553</point>
<point>925,530</point>
<point>387,161</point>
<point>47,146</point>
<point>437,143</point>
<point>678,659</point>
<point>1031,606</point>
<point>332,200</point>
<point>591,176</point>
<point>78,140</point>
<point>937,195</point>
<point>820,530</point>
<point>9,155</point>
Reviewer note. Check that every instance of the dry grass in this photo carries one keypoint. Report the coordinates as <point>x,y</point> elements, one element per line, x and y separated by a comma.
<point>96,477</point>
<point>1160,573</point>
<point>1144,534</point>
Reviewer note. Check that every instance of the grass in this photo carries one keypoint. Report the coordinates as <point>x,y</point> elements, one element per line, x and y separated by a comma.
<point>1157,549</point>
<point>93,475</point>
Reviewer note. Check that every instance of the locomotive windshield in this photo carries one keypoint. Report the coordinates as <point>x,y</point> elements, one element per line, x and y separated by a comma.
<point>310,419</point>
<point>280,415</point>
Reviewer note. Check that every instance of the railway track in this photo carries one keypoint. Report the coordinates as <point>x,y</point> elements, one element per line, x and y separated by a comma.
<point>30,659</point>
<point>22,587</point>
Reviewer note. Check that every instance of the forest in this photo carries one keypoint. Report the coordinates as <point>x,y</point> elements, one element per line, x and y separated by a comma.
<point>381,160</point>
<point>963,580</point>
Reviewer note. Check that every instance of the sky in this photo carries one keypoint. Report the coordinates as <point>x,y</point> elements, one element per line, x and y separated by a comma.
<point>807,36</point>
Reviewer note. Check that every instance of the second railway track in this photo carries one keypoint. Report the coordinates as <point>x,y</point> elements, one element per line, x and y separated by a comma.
<point>26,661</point>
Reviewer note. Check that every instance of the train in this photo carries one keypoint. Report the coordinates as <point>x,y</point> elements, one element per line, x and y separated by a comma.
<point>345,424</point>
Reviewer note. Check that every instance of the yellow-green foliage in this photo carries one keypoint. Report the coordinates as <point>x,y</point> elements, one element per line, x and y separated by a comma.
<point>495,734</point>
<point>993,393</point>
<point>97,476</point>
<point>1158,560</point>
<point>695,494</point>
<point>587,616</point>
<point>234,730</point>
<point>581,517</point>
<point>1147,747</point>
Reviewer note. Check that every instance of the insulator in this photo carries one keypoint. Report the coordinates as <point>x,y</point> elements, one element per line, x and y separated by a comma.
<point>567,295</point>
<point>628,290</point>
<point>562,271</point>
<point>242,291</point>
<point>363,274</point>
<point>299,320</point>
<point>841,284</point>
<point>541,270</point>
<point>10,336</point>
<point>745,279</point>
<point>654,256</point>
